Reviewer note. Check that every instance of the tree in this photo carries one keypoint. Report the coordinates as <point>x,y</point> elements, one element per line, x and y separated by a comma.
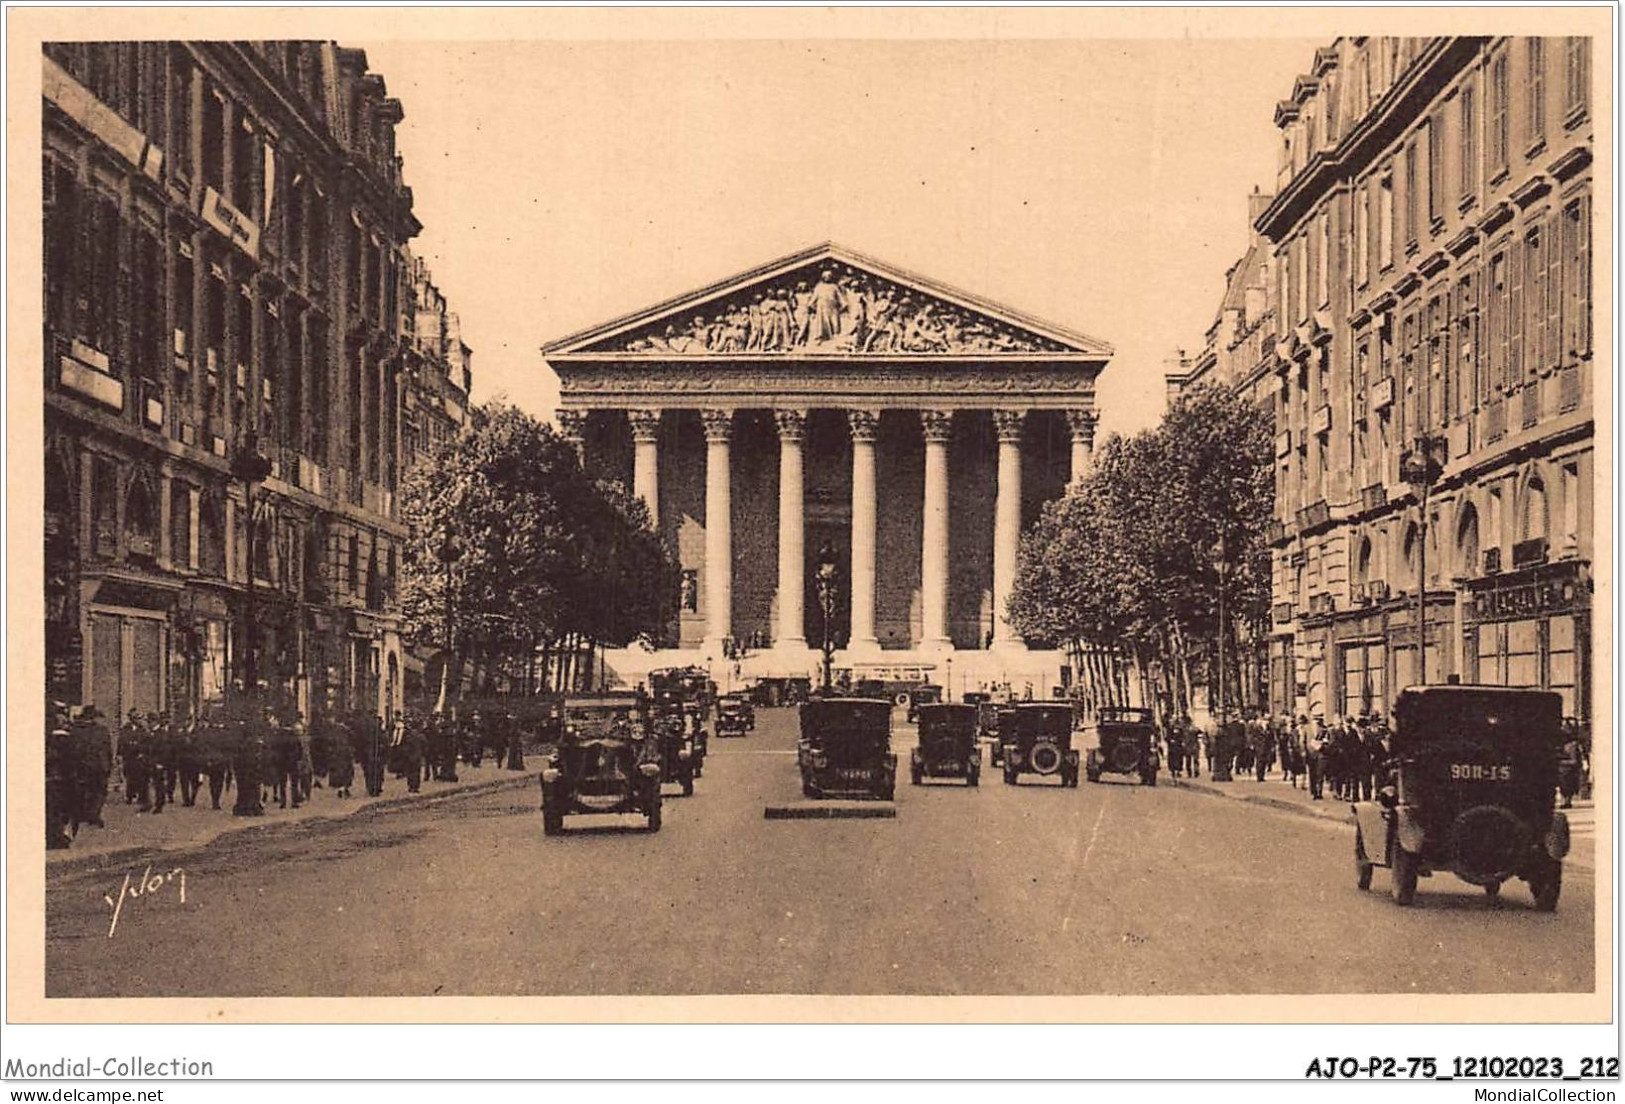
<point>544,554</point>
<point>1122,568</point>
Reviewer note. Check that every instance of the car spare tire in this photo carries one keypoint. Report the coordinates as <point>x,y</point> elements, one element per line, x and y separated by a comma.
<point>1045,757</point>
<point>1489,844</point>
<point>1125,757</point>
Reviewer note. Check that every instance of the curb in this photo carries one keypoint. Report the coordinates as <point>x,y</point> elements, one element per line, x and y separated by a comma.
<point>72,864</point>
<point>1267,802</point>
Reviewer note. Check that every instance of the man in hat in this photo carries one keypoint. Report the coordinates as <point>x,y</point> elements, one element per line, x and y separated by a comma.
<point>59,778</point>
<point>92,751</point>
<point>1316,755</point>
<point>160,758</point>
<point>132,753</point>
<point>249,758</point>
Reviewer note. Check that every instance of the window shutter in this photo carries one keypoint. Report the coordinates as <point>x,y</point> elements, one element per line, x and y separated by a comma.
<point>1582,281</point>
<point>1515,282</point>
<point>1553,352</point>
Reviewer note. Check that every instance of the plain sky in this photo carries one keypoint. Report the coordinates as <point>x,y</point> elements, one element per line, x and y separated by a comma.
<point>1098,184</point>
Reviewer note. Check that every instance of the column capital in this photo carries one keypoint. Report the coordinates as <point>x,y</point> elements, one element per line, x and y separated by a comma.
<point>792,425</point>
<point>863,424</point>
<point>719,425</point>
<point>1082,424</point>
<point>1009,424</point>
<point>571,422</point>
<point>937,425</point>
<point>645,425</point>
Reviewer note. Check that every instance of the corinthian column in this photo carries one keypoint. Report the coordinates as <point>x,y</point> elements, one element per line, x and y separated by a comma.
<point>572,427</point>
<point>646,460</point>
<point>792,537</point>
<point>1006,521</point>
<point>718,530</point>
<point>1082,425</point>
<point>863,424</point>
<point>937,425</point>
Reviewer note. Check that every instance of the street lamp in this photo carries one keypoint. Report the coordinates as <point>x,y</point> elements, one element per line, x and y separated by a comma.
<point>1221,760</point>
<point>1421,468</point>
<point>448,553</point>
<point>253,469</point>
<point>827,579</point>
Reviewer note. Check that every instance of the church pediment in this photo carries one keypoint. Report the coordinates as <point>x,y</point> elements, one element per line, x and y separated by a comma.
<point>826,301</point>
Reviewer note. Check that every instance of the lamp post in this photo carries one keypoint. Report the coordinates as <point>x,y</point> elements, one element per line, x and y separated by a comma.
<point>1421,468</point>
<point>826,578</point>
<point>1221,758</point>
<point>448,553</point>
<point>253,469</point>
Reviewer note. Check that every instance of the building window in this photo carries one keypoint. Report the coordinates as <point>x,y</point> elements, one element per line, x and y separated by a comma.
<point>180,114</point>
<point>1323,260</point>
<point>60,247</point>
<point>214,140</point>
<point>1495,377</point>
<point>1536,53</point>
<point>1412,184</point>
<point>1577,279</point>
<point>1438,380</point>
<point>1577,69</point>
<point>1362,236</point>
<point>1500,138</point>
<point>1385,220</point>
<point>1469,139</point>
<point>1435,172</point>
<point>1466,315</point>
<point>1569,536</point>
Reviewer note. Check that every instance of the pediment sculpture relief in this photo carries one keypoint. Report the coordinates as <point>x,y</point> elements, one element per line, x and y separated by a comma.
<point>832,308</point>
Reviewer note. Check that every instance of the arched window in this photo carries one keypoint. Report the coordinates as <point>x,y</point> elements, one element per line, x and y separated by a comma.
<point>264,545</point>
<point>211,536</point>
<point>1467,559</point>
<point>1409,548</point>
<point>1362,563</point>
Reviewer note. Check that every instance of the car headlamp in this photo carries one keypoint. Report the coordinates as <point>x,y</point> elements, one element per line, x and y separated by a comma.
<point>684,754</point>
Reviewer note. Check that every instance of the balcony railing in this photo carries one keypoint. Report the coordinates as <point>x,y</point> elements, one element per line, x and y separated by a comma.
<point>1527,553</point>
<point>1568,388</point>
<point>1374,497</point>
<point>1531,405</point>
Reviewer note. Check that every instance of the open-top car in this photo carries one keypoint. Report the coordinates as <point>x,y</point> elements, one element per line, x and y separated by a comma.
<point>947,747</point>
<point>1036,738</point>
<point>1469,788</point>
<point>608,761</point>
<point>679,758</point>
<point>1122,740</point>
<point>732,718</point>
<point>845,748</point>
<point>915,697</point>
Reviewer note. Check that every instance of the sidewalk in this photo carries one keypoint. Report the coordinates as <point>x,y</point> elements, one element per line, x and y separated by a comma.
<point>1274,793</point>
<point>130,833</point>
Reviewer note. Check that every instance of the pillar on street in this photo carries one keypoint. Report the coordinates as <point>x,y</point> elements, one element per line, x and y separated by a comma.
<point>792,425</point>
<point>718,530</point>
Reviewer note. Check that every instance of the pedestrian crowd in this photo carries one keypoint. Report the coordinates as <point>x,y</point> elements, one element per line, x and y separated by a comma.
<point>260,749</point>
<point>1349,756</point>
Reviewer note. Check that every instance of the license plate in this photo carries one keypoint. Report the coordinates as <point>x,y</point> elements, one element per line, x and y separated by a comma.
<point>948,765</point>
<point>852,774</point>
<point>1481,772</point>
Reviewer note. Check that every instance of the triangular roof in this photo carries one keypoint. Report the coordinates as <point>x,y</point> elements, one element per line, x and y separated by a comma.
<point>827,300</point>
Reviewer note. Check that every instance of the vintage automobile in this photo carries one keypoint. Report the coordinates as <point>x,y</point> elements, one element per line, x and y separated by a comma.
<point>1470,788</point>
<point>684,685</point>
<point>740,700</point>
<point>732,719</point>
<point>845,748</point>
<point>1036,738</point>
<point>947,747</point>
<point>917,696</point>
<point>1122,740</point>
<point>608,761</point>
<point>679,758</point>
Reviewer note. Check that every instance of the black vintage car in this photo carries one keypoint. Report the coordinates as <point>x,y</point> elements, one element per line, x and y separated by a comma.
<point>914,698</point>
<point>1036,738</point>
<point>947,747</point>
<point>845,748</point>
<point>608,761</point>
<point>1122,741</point>
<point>1469,788</point>
<point>732,718</point>
<point>741,701</point>
<point>679,758</point>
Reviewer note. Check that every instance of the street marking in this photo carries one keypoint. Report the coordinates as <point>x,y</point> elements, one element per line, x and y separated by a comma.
<point>1094,834</point>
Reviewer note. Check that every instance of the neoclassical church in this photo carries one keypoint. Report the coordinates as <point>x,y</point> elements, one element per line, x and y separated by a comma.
<point>827,402</point>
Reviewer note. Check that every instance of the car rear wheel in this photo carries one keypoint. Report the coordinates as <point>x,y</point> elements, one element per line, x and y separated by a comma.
<point>1149,778</point>
<point>1492,890</point>
<point>552,822</point>
<point>654,816</point>
<point>1009,777</point>
<point>688,784</point>
<point>1404,876</point>
<point>974,776</point>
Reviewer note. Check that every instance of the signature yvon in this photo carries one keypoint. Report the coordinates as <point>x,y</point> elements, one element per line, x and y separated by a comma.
<point>148,884</point>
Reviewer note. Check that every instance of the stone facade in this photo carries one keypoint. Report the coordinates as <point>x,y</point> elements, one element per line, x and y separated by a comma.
<point>916,459</point>
<point>1431,236</point>
<point>226,274</point>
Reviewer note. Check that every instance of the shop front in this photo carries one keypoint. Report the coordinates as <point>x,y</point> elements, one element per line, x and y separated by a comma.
<point>1532,627</point>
